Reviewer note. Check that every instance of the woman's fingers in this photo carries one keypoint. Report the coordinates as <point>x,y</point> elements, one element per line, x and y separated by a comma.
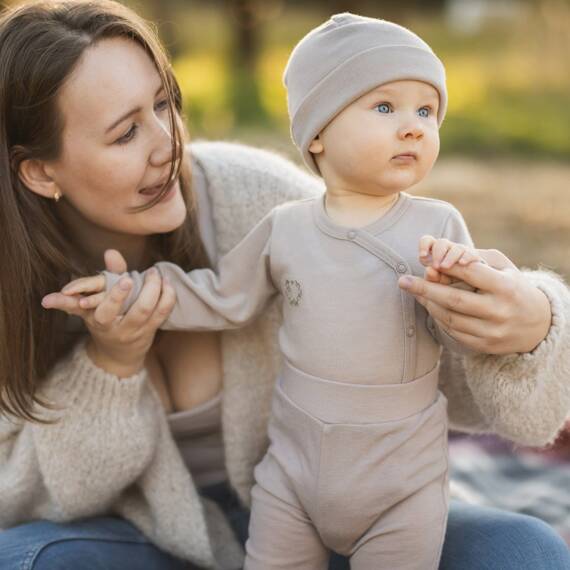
<point>142,309</point>
<point>92,301</point>
<point>430,294</point>
<point>110,307</point>
<point>61,302</point>
<point>432,275</point>
<point>496,259</point>
<point>481,276</point>
<point>165,305</point>
<point>453,321</point>
<point>477,343</point>
<point>114,261</point>
<point>83,285</point>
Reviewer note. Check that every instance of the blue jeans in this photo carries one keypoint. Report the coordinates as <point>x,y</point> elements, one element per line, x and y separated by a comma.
<point>477,539</point>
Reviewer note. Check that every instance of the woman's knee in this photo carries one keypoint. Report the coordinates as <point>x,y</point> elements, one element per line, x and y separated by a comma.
<point>481,538</point>
<point>104,555</point>
<point>105,543</point>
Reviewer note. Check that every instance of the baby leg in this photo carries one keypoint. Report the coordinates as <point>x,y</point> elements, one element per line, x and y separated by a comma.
<point>282,537</point>
<point>409,536</point>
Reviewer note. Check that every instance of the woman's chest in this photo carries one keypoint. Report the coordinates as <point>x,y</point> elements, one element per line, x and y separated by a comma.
<point>185,368</point>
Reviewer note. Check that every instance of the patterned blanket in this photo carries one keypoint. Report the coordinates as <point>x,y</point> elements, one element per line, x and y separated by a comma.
<point>489,471</point>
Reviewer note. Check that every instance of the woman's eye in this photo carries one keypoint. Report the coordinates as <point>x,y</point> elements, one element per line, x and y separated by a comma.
<point>383,108</point>
<point>129,135</point>
<point>424,112</point>
<point>161,105</point>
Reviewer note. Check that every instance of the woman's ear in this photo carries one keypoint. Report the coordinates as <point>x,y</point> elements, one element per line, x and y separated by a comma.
<point>36,176</point>
<point>316,146</point>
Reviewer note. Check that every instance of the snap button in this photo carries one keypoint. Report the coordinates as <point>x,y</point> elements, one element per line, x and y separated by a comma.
<point>401,268</point>
<point>351,234</point>
<point>411,331</point>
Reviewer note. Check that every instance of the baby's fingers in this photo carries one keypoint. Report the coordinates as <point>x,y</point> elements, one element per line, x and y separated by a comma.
<point>426,243</point>
<point>453,255</point>
<point>470,256</point>
<point>94,284</point>
<point>439,251</point>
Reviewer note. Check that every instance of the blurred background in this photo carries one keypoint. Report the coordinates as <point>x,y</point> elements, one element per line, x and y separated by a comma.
<point>505,159</point>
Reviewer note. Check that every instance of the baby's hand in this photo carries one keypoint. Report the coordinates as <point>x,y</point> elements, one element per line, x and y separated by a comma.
<point>436,254</point>
<point>92,290</point>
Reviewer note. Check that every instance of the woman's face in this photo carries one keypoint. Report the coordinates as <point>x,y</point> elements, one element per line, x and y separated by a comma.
<point>117,145</point>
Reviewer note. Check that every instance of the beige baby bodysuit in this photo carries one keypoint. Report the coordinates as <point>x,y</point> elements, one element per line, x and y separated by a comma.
<point>344,316</point>
<point>357,396</point>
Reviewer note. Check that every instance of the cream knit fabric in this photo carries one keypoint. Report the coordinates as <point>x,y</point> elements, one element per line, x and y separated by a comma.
<point>111,451</point>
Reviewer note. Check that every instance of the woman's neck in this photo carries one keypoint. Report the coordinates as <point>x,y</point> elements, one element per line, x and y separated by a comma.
<point>91,241</point>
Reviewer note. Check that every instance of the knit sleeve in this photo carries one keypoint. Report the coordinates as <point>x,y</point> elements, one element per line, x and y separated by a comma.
<point>526,397</point>
<point>227,298</point>
<point>463,412</point>
<point>100,440</point>
<point>454,229</point>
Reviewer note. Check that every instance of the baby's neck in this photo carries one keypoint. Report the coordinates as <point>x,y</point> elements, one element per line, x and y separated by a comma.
<point>357,210</point>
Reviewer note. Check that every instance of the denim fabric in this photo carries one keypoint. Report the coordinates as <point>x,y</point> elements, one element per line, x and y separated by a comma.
<point>101,543</point>
<point>478,538</point>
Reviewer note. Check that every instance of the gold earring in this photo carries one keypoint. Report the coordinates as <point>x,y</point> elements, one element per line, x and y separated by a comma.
<point>57,195</point>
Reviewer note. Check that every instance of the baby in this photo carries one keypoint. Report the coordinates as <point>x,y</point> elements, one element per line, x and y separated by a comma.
<point>357,461</point>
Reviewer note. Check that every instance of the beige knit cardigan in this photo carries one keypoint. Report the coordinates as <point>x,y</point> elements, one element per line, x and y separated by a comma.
<point>111,450</point>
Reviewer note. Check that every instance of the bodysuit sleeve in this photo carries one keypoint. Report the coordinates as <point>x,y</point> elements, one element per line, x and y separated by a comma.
<point>455,230</point>
<point>215,300</point>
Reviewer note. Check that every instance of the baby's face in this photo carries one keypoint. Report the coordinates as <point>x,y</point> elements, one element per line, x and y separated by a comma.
<point>382,143</point>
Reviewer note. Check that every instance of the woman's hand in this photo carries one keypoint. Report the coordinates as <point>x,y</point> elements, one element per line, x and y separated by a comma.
<point>505,314</point>
<point>119,343</point>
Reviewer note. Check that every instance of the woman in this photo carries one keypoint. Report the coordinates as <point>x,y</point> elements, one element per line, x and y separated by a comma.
<point>108,438</point>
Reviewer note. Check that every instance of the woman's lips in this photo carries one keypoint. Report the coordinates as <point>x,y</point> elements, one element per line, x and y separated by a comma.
<point>153,191</point>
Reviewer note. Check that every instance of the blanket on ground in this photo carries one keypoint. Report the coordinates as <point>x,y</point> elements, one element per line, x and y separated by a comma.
<point>489,471</point>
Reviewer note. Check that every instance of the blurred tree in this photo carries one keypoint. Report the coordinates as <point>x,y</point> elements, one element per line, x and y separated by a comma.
<point>246,29</point>
<point>163,15</point>
<point>390,9</point>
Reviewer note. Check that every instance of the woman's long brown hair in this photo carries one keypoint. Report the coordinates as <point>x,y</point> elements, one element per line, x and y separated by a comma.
<point>40,45</point>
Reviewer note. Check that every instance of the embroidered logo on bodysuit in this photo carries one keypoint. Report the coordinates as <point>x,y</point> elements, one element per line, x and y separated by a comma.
<point>293,291</point>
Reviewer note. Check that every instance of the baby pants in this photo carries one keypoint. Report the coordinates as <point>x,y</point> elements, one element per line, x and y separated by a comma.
<point>358,469</point>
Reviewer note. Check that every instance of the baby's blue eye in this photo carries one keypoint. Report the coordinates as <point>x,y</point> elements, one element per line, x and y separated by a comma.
<point>424,112</point>
<point>383,108</point>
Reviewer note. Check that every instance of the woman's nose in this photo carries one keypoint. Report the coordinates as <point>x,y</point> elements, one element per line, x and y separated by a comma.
<point>162,150</point>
